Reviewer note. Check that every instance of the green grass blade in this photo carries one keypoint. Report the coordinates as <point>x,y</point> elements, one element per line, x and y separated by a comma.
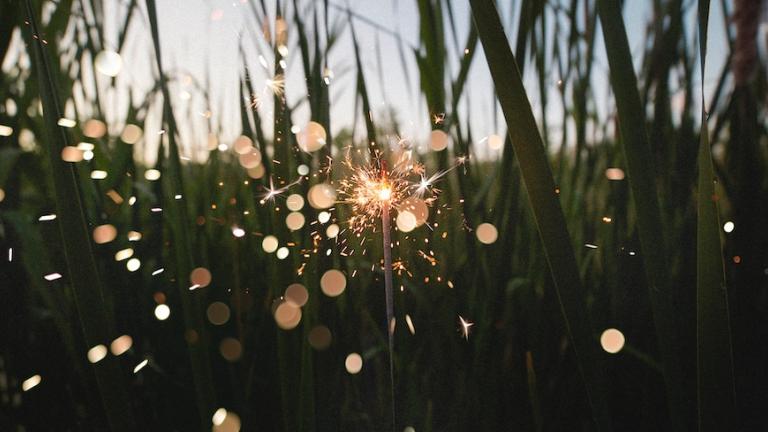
<point>179,224</point>
<point>81,264</point>
<point>639,159</point>
<point>716,392</point>
<point>544,201</point>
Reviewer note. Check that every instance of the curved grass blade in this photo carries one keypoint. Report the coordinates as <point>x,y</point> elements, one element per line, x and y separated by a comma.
<point>637,152</point>
<point>81,265</point>
<point>715,390</point>
<point>543,198</point>
<point>178,223</point>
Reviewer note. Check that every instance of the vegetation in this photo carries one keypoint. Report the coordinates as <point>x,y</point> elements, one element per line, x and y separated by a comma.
<point>641,210</point>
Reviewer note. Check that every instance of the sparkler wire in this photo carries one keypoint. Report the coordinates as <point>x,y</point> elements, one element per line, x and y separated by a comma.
<point>387,243</point>
<point>387,240</point>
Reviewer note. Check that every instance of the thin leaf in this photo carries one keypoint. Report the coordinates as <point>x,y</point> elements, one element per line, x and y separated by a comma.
<point>640,169</point>
<point>716,391</point>
<point>81,265</point>
<point>544,201</point>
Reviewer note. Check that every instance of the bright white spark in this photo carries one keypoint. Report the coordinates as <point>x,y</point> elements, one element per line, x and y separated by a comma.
<point>465,325</point>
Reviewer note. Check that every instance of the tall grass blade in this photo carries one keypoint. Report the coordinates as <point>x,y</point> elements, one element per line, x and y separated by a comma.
<point>639,159</point>
<point>715,391</point>
<point>81,264</point>
<point>544,201</point>
<point>179,225</point>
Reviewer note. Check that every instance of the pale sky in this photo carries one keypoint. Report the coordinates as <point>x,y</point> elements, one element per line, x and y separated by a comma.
<point>202,41</point>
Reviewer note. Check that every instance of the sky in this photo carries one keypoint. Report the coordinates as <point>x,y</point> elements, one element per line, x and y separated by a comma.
<point>205,44</point>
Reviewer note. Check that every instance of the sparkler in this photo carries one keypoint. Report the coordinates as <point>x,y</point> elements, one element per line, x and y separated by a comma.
<point>373,190</point>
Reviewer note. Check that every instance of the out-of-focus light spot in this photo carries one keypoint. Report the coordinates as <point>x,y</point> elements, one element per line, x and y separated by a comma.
<point>287,316</point>
<point>71,154</point>
<point>410,428</point>
<point>302,170</point>
<point>319,337</point>
<point>312,138</point>
<point>158,271</point>
<point>132,200</point>
<point>323,217</point>
<point>614,174</point>
<point>219,416</point>
<point>31,382</point>
<point>2,194</point>
<point>120,345</point>
<point>417,207</point>
<point>52,276</point>
<point>134,236</point>
<point>590,246</point>
<point>230,422</point>
<point>736,259</point>
<point>495,142</point>
<point>230,349</point>
<point>162,312</point>
<point>152,174</point>
<point>45,218</point>
<point>67,123</point>
<point>256,173</point>
<point>728,226</point>
<point>97,353</point>
<point>200,276</point>
<point>84,146</point>
<point>333,283</point>
<point>133,264</point>
<point>243,145</point>
<point>405,221</point>
<point>295,129</point>
<point>296,294</point>
<point>327,76</point>
<point>104,233</point>
<point>282,253</point>
<point>140,366</point>
<point>353,363</point>
<point>250,160</point>
<point>237,231</point>
<point>269,244</point>
<point>94,129</point>
<point>332,231</point>
<point>222,147</point>
<point>123,254</point>
<point>294,221</point>
<point>88,155</point>
<point>294,202</point>
<point>612,340</point>
<point>109,63</point>
<point>131,134</point>
<point>218,313</point>
<point>98,174</point>
<point>438,140</point>
<point>486,233</point>
<point>6,131</point>
<point>321,196</point>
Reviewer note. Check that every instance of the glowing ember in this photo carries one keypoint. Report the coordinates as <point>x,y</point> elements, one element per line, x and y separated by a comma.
<point>465,326</point>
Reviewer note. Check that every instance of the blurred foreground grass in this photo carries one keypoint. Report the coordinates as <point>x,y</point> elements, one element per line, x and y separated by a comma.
<point>629,231</point>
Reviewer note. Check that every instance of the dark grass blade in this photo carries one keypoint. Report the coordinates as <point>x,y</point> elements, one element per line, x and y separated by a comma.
<point>544,202</point>
<point>715,391</point>
<point>640,167</point>
<point>81,265</point>
<point>179,225</point>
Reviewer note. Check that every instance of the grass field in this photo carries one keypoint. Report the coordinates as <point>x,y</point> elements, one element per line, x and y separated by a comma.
<point>600,263</point>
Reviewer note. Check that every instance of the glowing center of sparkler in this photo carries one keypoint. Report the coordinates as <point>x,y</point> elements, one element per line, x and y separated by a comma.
<point>385,193</point>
